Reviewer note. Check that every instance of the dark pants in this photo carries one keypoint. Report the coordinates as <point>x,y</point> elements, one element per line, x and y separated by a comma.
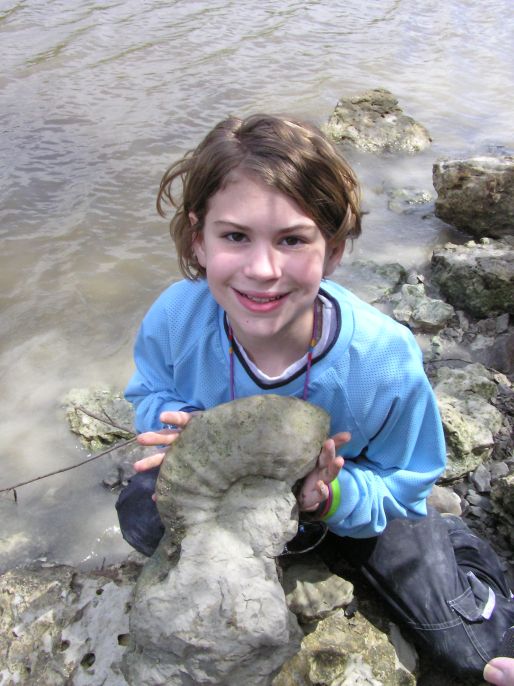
<point>442,581</point>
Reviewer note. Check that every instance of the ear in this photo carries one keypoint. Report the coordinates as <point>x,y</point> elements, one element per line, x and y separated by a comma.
<point>333,257</point>
<point>198,241</point>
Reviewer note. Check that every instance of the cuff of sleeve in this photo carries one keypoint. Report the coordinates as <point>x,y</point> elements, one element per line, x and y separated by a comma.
<point>344,483</point>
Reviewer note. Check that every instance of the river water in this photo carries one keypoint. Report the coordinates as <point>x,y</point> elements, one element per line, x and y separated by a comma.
<point>97,99</point>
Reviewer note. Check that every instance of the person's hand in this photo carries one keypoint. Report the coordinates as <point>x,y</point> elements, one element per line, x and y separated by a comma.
<point>314,489</point>
<point>500,671</point>
<point>163,438</point>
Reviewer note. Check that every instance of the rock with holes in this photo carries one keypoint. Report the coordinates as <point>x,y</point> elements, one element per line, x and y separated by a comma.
<point>60,625</point>
<point>208,606</point>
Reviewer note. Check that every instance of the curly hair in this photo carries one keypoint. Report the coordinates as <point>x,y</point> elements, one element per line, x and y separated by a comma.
<point>293,157</point>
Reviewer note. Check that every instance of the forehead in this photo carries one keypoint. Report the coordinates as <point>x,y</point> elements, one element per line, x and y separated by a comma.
<point>246,195</point>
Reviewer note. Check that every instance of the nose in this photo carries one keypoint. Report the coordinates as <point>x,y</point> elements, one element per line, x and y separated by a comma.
<point>263,263</point>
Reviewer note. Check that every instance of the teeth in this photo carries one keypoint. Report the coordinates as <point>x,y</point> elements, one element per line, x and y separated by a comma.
<point>262,300</point>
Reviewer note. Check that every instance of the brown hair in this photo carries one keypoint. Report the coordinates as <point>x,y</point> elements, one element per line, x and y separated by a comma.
<point>291,156</point>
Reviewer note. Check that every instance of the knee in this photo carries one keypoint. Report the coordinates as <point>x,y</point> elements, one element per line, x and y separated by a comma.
<point>138,516</point>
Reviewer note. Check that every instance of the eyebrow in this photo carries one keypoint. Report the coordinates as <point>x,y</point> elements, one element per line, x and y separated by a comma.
<point>286,229</point>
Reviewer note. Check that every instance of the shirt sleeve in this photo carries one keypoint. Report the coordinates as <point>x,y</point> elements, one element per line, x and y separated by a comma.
<point>152,388</point>
<point>396,471</point>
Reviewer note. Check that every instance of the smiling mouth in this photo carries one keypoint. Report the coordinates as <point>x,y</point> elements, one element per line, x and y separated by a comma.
<point>260,300</point>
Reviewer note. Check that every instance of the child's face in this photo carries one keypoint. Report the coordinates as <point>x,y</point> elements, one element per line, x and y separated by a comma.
<point>264,259</point>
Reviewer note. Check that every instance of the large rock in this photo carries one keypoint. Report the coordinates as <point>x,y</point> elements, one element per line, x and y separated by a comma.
<point>477,278</point>
<point>476,194</point>
<point>345,651</point>
<point>419,312</point>
<point>208,607</point>
<point>374,122</point>
<point>469,419</point>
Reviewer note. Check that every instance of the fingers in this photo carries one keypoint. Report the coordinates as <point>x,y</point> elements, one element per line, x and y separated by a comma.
<point>149,462</point>
<point>179,419</point>
<point>341,438</point>
<point>162,437</point>
<point>329,464</point>
<point>165,436</point>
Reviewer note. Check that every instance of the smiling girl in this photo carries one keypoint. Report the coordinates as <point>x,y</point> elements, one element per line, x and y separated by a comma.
<point>264,209</point>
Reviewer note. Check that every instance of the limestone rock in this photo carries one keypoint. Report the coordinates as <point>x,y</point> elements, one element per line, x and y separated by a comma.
<point>312,591</point>
<point>477,278</point>
<point>374,122</point>
<point>344,651</point>
<point>369,280</point>
<point>59,626</point>
<point>470,421</point>
<point>208,607</point>
<point>409,200</point>
<point>445,500</point>
<point>421,313</point>
<point>102,401</point>
<point>476,194</point>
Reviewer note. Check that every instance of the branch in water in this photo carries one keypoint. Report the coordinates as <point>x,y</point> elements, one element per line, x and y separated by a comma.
<point>66,469</point>
<point>78,464</point>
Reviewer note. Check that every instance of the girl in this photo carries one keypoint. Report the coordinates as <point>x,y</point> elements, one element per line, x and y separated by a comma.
<point>266,208</point>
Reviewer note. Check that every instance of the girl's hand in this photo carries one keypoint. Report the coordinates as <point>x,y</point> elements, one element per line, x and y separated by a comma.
<point>314,488</point>
<point>163,438</point>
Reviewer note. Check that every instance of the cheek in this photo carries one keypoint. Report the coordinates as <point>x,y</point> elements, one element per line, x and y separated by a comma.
<point>310,270</point>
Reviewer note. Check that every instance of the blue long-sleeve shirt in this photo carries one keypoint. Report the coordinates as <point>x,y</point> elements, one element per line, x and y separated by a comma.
<point>370,380</point>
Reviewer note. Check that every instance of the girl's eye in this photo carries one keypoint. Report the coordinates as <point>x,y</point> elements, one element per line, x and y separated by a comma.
<point>235,236</point>
<point>292,241</point>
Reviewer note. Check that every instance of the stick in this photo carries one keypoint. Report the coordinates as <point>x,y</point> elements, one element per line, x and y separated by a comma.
<point>79,464</point>
<point>101,419</point>
<point>65,469</point>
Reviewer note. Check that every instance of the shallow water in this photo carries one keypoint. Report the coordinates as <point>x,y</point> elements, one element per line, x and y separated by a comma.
<point>98,99</point>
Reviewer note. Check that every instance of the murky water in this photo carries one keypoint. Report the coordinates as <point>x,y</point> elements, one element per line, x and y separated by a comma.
<point>97,99</point>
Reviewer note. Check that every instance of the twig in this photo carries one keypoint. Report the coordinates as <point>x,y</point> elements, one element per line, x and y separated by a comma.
<point>65,469</point>
<point>101,419</point>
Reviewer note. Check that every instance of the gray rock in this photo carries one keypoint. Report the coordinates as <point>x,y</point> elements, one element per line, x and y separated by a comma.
<point>478,279</point>
<point>469,419</point>
<point>408,200</point>
<point>472,379</point>
<point>61,626</point>
<point>105,402</point>
<point>502,323</point>
<point>476,194</point>
<point>476,511</point>
<point>312,591</point>
<point>374,122</point>
<point>208,607</point>
<point>369,280</point>
<point>498,469</point>
<point>481,478</point>
<point>420,312</point>
<point>502,495</point>
<point>496,351</point>
<point>445,500</point>
<point>344,651</point>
